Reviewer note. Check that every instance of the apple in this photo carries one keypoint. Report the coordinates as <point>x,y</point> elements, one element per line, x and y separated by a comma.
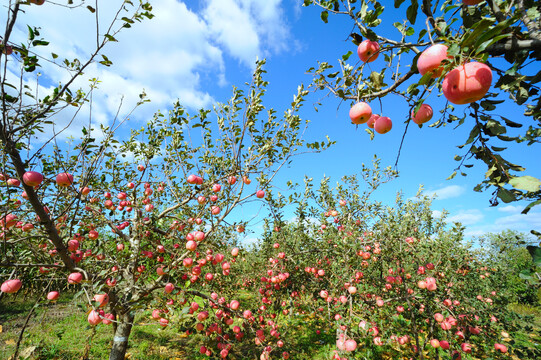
<point>502,348</point>
<point>32,178</point>
<point>11,286</point>
<point>423,115</point>
<point>6,49</point>
<point>64,179</point>
<point>368,51</point>
<point>466,347</point>
<point>108,319</point>
<point>430,60</point>
<point>13,182</point>
<point>260,194</point>
<point>467,83</point>
<point>164,322</point>
<point>383,125</point>
<point>350,345</point>
<point>234,305</point>
<point>75,278</point>
<point>235,252</point>
<point>471,2</point>
<point>102,299</point>
<point>445,345</point>
<point>372,120</point>
<point>169,287</point>
<point>435,343</point>
<point>360,113</point>
<point>53,295</point>
<point>94,318</point>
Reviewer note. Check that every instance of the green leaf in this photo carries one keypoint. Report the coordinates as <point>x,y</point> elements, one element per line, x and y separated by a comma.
<point>480,28</point>
<point>530,205</point>
<point>347,55</point>
<point>324,16</point>
<point>535,252</point>
<point>525,274</point>
<point>526,183</point>
<point>451,176</point>
<point>411,12</point>
<point>495,128</point>
<point>505,195</point>
<point>397,3</point>
<point>511,123</point>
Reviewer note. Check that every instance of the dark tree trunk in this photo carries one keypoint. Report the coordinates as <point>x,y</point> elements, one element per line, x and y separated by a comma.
<point>122,333</point>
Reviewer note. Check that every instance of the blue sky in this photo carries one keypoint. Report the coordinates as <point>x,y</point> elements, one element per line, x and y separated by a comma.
<point>197,50</point>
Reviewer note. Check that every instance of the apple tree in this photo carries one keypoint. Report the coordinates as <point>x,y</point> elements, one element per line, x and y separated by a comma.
<point>132,223</point>
<point>479,54</point>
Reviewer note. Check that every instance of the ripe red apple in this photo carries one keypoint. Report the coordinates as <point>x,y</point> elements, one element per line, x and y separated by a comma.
<point>13,182</point>
<point>423,115</point>
<point>502,348</point>
<point>169,287</point>
<point>467,83</point>
<point>370,123</point>
<point>430,60</point>
<point>75,278</point>
<point>383,125</point>
<point>11,286</point>
<point>471,2</point>
<point>94,318</point>
<point>360,113</point>
<point>350,345</point>
<point>102,299</point>
<point>260,194</point>
<point>445,345</point>
<point>64,179</point>
<point>368,51</point>
<point>53,295</point>
<point>32,178</point>
<point>435,343</point>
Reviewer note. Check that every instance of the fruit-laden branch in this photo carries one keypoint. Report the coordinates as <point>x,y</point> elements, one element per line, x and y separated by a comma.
<point>38,207</point>
<point>30,265</point>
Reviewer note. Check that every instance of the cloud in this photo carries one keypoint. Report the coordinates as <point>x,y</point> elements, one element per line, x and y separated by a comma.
<point>179,54</point>
<point>247,29</point>
<point>511,208</point>
<point>446,192</point>
<point>436,213</point>
<point>467,217</point>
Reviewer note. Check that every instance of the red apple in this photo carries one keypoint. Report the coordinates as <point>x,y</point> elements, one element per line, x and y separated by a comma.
<point>64,179</point>
<point>350,345</point>
<point>430,60</point>
<point>467,83</point>
<point>102,299</point>
<point>32,178</point>
<point>502,348</point>
<point>435,343</point>
<point>53,295</point>
<point>75,278</point>
<point>360,113</point>
<point>260,194</point>
<point>423,115</point>
<point>94,318</point>
<point>383,125</point>
<point>372,120</point>
<point>368,51</point>
<point>11,286</point>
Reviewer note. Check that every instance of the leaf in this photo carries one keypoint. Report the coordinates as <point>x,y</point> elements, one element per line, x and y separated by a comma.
<point>511,123</point>
<point>526,183</point>
<point>525,274</point>
<point>535,252</point>
<point>347,55</point>
<point>495,128</point>
<point>411,12</point>
<point>91,9</point>
<point>397,3</point>
<point>505,195</point>
<point>451,176</point>
<point>324,16</point>
<point>530,205</point>
<point>480,28</point>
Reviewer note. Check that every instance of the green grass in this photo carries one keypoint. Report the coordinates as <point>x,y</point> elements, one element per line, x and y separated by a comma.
<point>60,331</point>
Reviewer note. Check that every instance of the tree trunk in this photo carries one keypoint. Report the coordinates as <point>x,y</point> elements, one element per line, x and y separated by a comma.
<point>122,333</point>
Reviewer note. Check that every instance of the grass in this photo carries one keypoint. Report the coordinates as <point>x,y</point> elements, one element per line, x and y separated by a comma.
<point>60,331</point>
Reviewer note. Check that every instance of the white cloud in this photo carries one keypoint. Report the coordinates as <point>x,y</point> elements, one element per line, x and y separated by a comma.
<point>467,217</point>
<point>247,28</point>
<point>517,221</point>
<point>436,213</point>
<point>446,192</point>
<point>175,55</point>
<point>510,208</point>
